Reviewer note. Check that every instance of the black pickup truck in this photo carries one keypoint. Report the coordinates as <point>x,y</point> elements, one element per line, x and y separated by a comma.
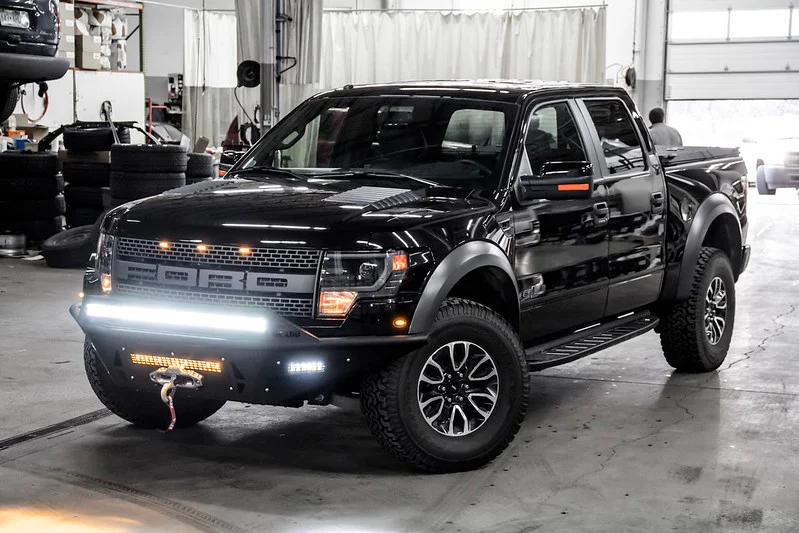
<point>29,34</point>
<point>421,247</point>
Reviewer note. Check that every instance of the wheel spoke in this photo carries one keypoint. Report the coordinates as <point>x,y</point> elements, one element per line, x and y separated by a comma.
<point>435,365</point>
<point>431,419</point>
<point>457,409</point>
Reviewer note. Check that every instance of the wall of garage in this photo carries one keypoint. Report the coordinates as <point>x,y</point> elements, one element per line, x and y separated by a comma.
<point>163,40</point>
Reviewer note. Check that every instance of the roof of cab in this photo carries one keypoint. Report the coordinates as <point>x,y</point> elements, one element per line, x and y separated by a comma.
<point>499,90</point>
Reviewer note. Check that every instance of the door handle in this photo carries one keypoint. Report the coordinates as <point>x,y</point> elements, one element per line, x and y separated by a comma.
<point>601,213</point>
<point>657,202</point>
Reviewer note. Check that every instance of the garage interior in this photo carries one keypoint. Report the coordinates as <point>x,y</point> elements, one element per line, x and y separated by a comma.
<point>617,441</point>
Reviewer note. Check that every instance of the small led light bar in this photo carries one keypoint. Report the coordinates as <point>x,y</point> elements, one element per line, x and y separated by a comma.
<point>175,317</point>
<point>176,362</point>
<point>306,367</point>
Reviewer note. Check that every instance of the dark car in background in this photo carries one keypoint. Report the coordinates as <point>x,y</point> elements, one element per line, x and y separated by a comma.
<point>29,34</point>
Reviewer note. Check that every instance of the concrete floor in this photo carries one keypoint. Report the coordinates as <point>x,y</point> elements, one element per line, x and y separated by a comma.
<point>615,442</point>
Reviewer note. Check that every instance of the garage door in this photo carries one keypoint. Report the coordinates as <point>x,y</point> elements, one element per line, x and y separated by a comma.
<point>732,50</point>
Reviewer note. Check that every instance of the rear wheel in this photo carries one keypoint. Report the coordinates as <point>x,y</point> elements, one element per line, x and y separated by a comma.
<point>142,408</point>
<point>456,403</point>
<point>695,334</point>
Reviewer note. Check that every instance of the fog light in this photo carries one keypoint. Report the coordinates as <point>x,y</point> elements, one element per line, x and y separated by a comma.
<point>175,362</point>
<point>306,367</point>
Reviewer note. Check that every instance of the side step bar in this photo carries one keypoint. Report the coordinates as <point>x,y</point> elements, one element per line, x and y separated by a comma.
<point>589,341</point>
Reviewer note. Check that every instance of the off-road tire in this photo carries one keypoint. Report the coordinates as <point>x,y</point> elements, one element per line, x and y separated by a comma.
<point>146,158</point>
<point>132,186</point>
<point>94,139</point>
<point>82,196</point>
<point>29,164</point>
<point>70,248</point>
<point>19,188</point>
<point>8,101</point>
<point>87,174</point>
<point>143,408</point>
<point>390,403</point>
<point>199,165</point>
<point>83,216</point>
<point>682,328</point>
<point>762,186</point>
<point>32,209</point>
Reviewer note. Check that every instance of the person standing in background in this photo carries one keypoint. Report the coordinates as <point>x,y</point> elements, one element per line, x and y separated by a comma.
<point>663,134</point>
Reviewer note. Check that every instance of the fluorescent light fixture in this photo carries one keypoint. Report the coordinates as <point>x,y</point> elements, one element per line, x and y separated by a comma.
<point>176,317</point>
<point>302,367</point>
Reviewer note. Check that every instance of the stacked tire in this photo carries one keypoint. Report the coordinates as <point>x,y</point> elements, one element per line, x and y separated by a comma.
<point>31,202</point>
<point>200,167</point>
<point>142,170</point>
<point>87,172</point>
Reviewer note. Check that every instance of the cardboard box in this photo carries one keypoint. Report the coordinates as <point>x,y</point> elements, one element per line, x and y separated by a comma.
<point>67,43</point>
<point>86,44</point>
<point>68,55</point>
<point>101,31</point>
<point>89,60</point>
<point>66,13</point>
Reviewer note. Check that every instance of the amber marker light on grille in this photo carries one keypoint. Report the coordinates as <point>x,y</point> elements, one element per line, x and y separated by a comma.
<point>105,282</point>
<point>176,362</point>
<point>336,303</point>
<point>163,245</point>
<point>400,322</point>
<point>202,248</point>
<point>245,250</point>
<point>400,262</point>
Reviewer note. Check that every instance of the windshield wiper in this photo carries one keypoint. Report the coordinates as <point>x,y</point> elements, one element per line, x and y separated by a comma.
<point>378,173</point>
<point>251,173</point>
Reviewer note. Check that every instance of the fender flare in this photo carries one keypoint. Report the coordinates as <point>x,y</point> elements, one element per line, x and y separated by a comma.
<point>460,262</point>
<point>714,206</point>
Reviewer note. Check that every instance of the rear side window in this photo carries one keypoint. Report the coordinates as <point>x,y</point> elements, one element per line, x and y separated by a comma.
<point>617,135</point>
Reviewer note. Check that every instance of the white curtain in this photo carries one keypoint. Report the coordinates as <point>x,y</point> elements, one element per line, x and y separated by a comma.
<point>209,74</point>
<point>387,46</point>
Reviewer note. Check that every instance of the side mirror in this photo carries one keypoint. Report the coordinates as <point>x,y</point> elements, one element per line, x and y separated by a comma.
<point>559,181</point>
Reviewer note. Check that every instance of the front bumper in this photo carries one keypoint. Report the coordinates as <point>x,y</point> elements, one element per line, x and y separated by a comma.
<point>255,366</point>
<point>29,68</point>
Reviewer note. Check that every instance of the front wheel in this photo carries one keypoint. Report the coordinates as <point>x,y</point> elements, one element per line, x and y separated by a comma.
<point>8,100</point>
<point>695,334</point>
<point>456,403</point>
<point>142,408</point>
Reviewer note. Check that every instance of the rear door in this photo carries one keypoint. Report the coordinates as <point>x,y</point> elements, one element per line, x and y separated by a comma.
<point>636,197</point>
<point>561,246</point>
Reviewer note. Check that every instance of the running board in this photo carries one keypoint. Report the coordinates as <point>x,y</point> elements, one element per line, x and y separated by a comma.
<point>589,341</point>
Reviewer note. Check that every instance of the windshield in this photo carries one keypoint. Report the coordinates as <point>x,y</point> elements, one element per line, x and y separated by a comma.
<point>449,141</point>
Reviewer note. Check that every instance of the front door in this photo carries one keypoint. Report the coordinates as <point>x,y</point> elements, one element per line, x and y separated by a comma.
<point>561,246</point>
<point>636,197</point>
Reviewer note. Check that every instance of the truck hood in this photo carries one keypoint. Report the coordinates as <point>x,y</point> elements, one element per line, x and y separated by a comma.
<point>323,213</point>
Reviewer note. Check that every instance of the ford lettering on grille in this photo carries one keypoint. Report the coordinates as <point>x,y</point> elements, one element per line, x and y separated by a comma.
<point>282,280</point>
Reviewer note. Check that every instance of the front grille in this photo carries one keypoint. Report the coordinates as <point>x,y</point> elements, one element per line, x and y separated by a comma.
<point>216,255</point>
<point>281,280</point>
<point>288,307</point>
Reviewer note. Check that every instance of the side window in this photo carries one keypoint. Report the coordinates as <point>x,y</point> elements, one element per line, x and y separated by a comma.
<point>552,137</point>
<point>617,134</point>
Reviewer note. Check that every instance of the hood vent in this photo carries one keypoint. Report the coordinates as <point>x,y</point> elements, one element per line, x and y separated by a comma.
<point>376,197</point>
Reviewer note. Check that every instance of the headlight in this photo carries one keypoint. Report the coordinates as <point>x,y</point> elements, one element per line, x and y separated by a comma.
<point>345,276</point>
<point>105,256</point>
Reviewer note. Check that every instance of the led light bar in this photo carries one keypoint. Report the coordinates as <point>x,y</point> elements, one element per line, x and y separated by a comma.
<point>306,367</point>
<point>175,317</point>
<point>176,362</point>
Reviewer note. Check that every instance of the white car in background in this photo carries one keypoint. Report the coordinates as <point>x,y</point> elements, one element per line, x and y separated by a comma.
<point>774,155</point>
